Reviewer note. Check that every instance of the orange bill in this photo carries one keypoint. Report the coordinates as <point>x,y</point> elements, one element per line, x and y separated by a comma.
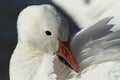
<point>65,53</point>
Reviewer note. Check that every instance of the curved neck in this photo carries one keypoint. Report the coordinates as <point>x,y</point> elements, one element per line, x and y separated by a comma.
<point>32,65</point>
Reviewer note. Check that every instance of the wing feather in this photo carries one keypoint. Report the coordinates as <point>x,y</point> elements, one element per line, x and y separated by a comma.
<point>91,33</point>
<point>92,47</point>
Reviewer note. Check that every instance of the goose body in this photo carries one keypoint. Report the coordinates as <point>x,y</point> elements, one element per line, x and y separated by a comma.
<point>42,51</point>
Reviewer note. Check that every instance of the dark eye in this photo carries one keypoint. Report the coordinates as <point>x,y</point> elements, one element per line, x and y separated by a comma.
<point>48,33</point>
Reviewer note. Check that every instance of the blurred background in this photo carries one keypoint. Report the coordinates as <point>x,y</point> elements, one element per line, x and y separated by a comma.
<point>84,13</point>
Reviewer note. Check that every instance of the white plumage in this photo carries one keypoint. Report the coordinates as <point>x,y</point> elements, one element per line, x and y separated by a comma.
<point>41,31</point>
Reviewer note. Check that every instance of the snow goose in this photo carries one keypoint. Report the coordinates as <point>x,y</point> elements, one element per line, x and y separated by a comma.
<point>43,50</point>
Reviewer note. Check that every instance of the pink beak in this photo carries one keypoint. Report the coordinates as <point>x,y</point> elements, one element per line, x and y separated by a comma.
<point>65,52</point>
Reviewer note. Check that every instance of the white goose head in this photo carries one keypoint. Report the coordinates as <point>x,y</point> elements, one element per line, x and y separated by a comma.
<point>43,29</point>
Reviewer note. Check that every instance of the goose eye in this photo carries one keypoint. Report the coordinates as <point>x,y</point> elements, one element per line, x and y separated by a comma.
<point>48,33</point>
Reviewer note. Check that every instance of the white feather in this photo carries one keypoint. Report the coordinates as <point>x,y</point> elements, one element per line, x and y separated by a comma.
<point>34,59</point>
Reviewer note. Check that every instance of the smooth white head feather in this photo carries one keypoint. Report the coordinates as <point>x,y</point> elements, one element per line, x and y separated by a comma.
<point>34,21</point>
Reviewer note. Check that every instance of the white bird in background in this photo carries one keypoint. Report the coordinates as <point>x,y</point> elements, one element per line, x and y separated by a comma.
<point>87,12</point>
<point>43,51</point>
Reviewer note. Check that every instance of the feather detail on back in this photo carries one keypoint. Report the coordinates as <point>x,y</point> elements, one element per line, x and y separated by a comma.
<point>91,33</point>
<point>96,44</point>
